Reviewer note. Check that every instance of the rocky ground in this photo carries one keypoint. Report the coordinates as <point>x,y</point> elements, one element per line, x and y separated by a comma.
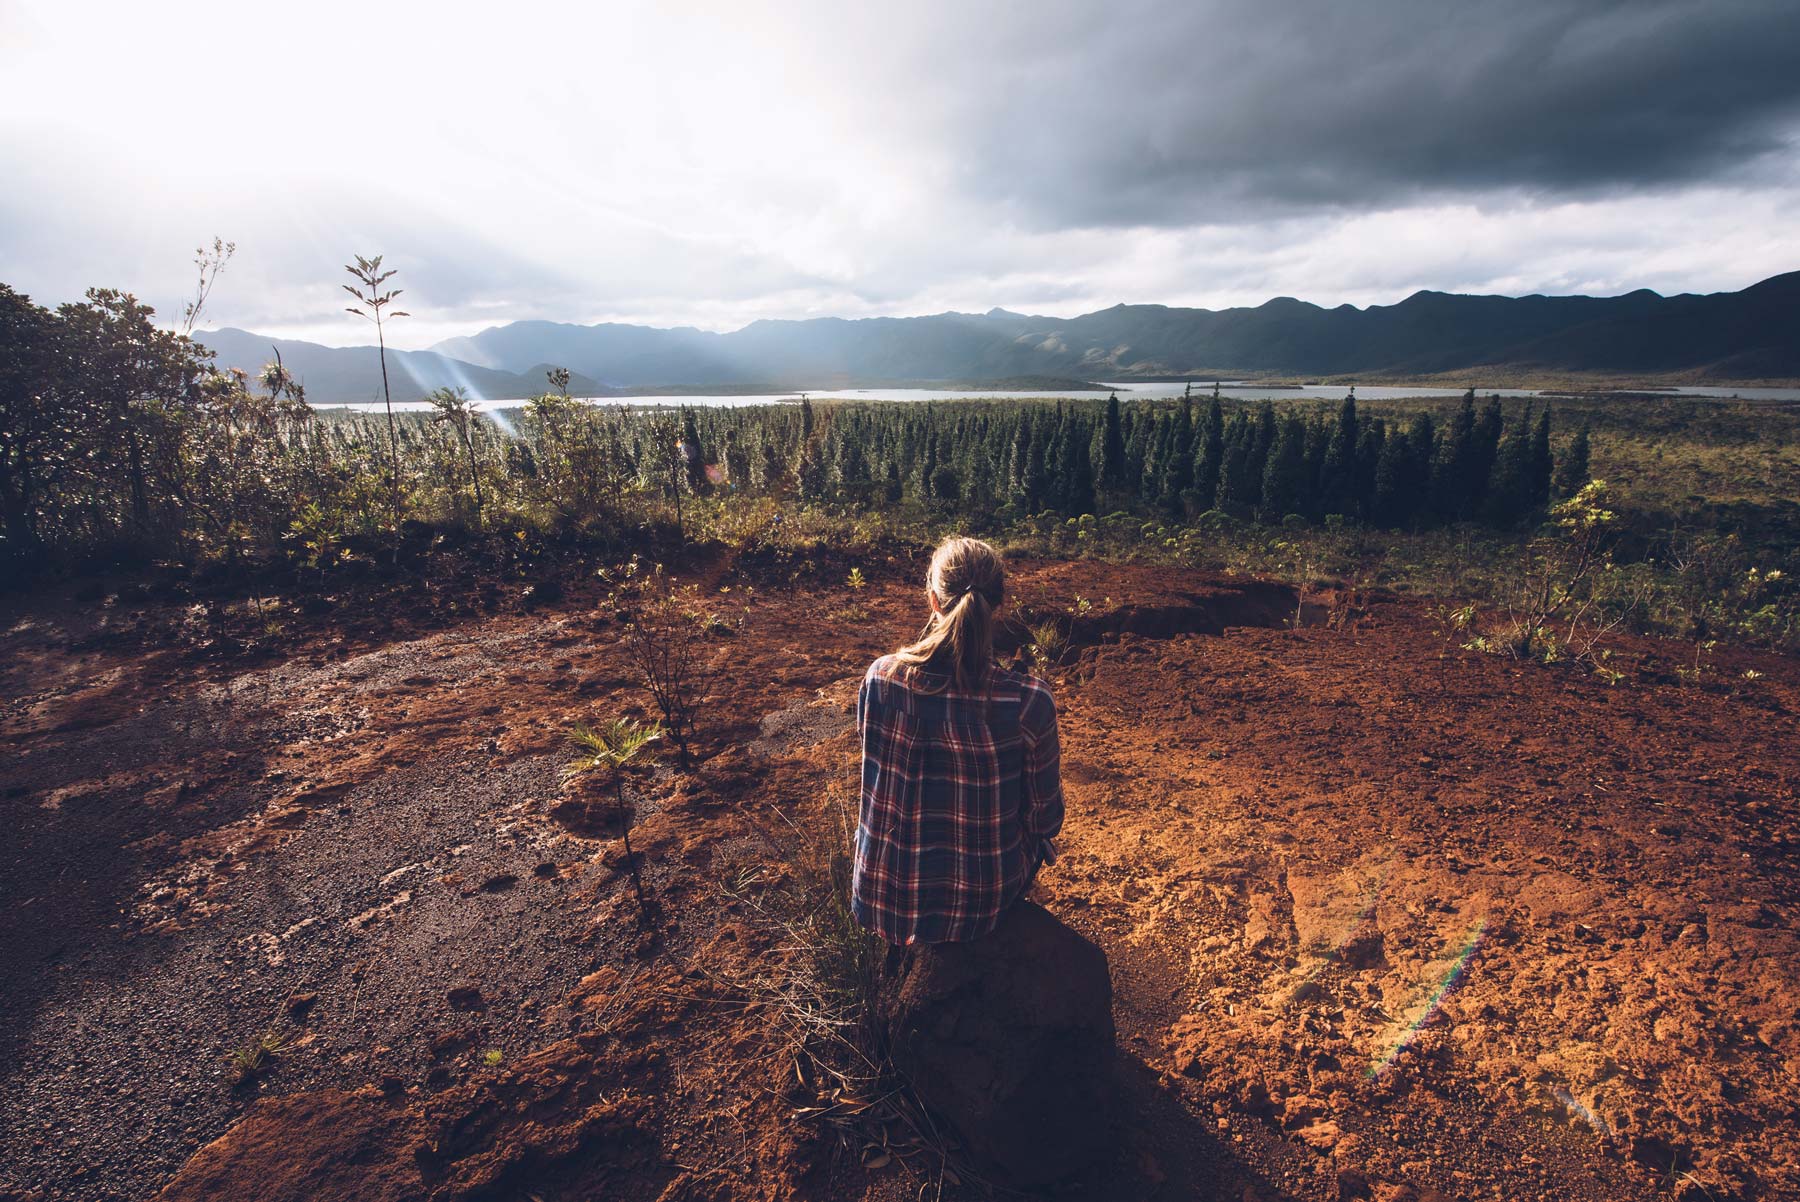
<point>1386,918</point>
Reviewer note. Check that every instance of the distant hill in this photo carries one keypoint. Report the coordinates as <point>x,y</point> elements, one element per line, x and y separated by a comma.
<point>1748,335</point>
<point>337,375</point>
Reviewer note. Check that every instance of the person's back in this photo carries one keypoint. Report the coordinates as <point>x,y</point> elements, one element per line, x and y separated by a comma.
<point>961,790</point>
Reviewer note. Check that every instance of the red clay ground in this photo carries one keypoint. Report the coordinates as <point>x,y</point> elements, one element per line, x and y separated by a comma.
<point>1385,918</point>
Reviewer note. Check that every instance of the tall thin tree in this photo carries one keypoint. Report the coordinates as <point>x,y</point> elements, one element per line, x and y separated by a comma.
<point>371,306</point>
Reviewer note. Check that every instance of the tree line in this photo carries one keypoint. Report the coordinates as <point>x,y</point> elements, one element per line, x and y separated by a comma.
<point>121,438</point>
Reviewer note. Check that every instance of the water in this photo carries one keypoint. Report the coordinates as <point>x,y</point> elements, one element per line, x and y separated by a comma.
<point>1127,391</point>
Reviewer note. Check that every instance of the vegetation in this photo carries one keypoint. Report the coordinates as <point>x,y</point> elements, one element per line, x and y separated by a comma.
<point>119,442</point>
<point>618,747</point>
<point>251,1059</point>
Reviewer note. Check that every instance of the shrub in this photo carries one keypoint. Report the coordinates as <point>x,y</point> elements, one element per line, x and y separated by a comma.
<point>666,641</point>
<point>619,747</point>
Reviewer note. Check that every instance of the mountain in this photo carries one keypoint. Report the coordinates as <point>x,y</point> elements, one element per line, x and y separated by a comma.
<point>1748,335</point>
<point>335,375</point>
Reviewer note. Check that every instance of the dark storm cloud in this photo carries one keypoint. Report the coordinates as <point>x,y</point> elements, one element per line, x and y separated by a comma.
<point>1165,112</point>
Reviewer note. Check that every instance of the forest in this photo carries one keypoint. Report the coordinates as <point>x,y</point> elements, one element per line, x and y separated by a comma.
<point>119,436</point>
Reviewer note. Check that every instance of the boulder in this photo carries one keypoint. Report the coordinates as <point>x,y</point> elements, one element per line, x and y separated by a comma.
<point>1009,1038</point>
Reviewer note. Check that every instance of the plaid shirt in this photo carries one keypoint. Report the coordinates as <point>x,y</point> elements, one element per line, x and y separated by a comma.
<point>961,795</point>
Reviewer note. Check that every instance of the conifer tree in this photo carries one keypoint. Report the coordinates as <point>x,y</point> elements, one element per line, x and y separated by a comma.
<point>1509,483</point>
<point>1451,493</point>
<point>1209,453</point>
<point>1337,476</point>
<point>1572,470</point>
<point>1369,445</point>
<point>1111,467</point>
<point>1542,463</point>
<point>1075,468</point>
<point>1484,451</point>
<point>1284,474</point>
<point>1394,491</point>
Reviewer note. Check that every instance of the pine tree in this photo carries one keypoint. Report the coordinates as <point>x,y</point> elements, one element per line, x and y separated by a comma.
<point>693,455</point>
<point>1236,493</point>
<point>1284,475</point>
<point>1209,454</point>
<point>1075,468</point>
<point>1180,474</point>
<point>1484,450</point>
<point>1572,469</point>
<point>1541,463</point>
<point>1451,493</point>
<point>1037,469</point>
<point>1111,467</point>
<point>1509,483</point>
<point>1369,445</point>
<point>1019,461</point>
<point>928,470</point>
<point>1337,477</point>
<point>1394,495</point>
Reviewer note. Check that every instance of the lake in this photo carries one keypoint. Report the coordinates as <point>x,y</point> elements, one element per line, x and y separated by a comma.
<point>1132,391</point>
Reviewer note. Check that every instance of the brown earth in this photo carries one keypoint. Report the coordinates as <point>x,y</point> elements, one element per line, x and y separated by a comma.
<point>1386,918</point>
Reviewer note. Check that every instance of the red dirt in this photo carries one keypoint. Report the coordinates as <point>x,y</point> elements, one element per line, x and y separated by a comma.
<point>1288,842</point>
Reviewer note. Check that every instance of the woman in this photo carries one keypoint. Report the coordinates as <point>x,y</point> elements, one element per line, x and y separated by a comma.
<point>961,787</point>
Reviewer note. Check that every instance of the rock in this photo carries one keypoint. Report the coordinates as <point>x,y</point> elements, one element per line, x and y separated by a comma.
<point>1321,1136</point>
<point>466,997</point>
<point>1010,1039</point>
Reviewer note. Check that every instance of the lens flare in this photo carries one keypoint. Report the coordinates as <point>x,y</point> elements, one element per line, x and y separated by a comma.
<point>1458,970</point>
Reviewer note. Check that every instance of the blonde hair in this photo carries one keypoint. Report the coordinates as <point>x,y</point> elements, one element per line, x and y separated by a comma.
<point>968,581</point>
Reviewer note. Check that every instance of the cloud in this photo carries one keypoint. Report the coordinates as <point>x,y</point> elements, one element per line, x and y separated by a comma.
<point>1169,113</point>
<point>711,164</point>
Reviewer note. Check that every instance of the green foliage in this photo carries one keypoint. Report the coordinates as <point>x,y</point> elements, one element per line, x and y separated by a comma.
<point>250,1059</point>
<point>620,744</point>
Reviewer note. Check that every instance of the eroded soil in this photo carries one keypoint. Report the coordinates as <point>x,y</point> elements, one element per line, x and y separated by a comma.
<point>1386,918</point>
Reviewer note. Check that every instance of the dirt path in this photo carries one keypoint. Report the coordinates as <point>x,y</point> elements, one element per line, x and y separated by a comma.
<point>1385,917</point>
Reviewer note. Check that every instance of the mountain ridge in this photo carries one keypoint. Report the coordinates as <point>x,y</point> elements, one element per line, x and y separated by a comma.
<point>1751,334</point>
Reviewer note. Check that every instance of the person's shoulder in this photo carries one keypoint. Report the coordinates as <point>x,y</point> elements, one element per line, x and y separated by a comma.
<point>890,671</point>
<point>885,668</point>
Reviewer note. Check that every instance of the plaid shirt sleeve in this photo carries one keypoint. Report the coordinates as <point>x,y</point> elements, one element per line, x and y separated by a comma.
<point>1041,813</point>
<point>960,796</point>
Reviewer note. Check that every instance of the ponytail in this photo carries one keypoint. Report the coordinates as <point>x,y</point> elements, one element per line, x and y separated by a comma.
<point>967,580</point>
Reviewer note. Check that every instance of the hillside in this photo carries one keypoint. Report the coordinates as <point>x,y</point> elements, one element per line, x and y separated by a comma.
<point>1747,335</point>
<point>341,375</point>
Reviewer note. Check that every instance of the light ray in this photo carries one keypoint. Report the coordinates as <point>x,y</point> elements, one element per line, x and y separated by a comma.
<point>1452,978</point>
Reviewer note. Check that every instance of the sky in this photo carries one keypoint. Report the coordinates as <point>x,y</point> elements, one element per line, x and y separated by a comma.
<point>712,164</point>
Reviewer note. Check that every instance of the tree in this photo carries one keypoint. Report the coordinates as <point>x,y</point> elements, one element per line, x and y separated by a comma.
<point>618,747</point>
<point>1451,492</point>
<point>33,434</point>
<point>1337,478</point>
<point>1542,463</point>
<point>1509,485</point>
<point>1395,492</point>
<point>371,305</point>
<point>693,454</point>
<point>1284,475</point>
<point>210,263</point>
<point>1075,467</point>
<point>1112,450</point>
<point>452,406</point>
<point>1209,453</point>
<point>1572,472</point>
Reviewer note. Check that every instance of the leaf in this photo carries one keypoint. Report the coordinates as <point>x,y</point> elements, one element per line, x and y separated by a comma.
<point>880,1160</point>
